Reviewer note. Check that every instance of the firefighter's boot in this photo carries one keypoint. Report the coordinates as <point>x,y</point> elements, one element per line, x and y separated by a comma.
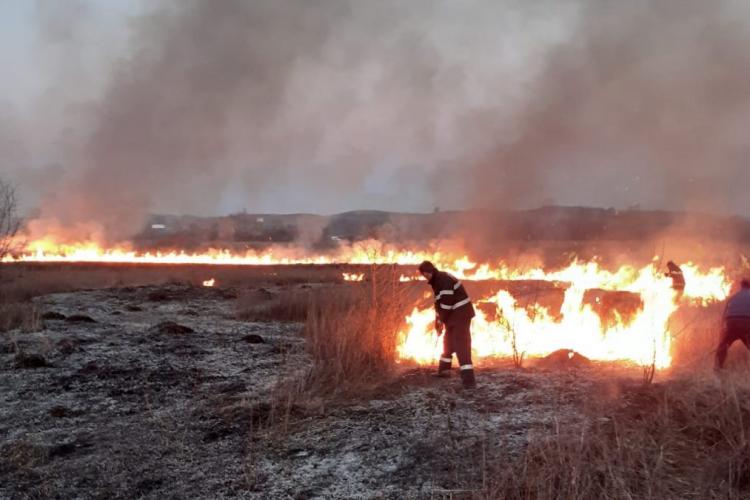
<point>467,378</point>
<point>444,368</point>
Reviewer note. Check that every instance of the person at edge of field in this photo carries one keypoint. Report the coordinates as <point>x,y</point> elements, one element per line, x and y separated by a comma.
<point>678,279</point>
<point>453,314</point>
<point>736,323</point>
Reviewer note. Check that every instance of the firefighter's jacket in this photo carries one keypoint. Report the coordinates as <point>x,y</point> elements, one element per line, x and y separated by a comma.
<point>675,273</point>
<point>452,303</point>
<point>738,305</point>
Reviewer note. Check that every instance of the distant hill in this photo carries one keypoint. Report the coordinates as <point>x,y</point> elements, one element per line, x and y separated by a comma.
<point>551,223</point>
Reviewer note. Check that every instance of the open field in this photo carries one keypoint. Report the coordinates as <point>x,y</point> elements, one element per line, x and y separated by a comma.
<point>137,382</point>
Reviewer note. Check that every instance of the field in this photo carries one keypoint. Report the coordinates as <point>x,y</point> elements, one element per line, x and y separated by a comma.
<point>280,382</point>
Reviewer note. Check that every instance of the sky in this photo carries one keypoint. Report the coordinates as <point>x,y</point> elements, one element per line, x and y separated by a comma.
<point>115,109</point>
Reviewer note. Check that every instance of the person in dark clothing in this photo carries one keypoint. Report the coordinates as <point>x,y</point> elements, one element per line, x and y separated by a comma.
<point>736,323</point>
<point>678,279</point>
<point>453,314</point>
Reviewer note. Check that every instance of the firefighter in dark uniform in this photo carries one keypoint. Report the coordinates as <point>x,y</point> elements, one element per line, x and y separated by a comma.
<point>736,323</point>
<point>678,279</point>
<point>453,314</point>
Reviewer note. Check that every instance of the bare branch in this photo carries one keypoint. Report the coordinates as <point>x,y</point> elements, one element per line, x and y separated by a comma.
<point>9,221</point>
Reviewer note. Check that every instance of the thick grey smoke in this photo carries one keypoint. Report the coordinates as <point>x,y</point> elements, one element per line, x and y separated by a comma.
<point>324,105</point>
<point>647,102</point>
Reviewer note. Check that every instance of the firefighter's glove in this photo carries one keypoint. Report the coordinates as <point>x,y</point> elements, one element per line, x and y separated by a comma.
<point>439,326</point>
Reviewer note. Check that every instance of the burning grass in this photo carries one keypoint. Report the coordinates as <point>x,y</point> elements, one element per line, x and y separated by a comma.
<point>683,439</point>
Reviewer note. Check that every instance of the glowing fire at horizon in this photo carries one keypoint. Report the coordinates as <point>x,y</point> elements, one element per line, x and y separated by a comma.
<point>209,283</point>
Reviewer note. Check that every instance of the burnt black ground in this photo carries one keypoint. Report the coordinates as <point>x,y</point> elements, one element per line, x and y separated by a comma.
<point>129,403</point>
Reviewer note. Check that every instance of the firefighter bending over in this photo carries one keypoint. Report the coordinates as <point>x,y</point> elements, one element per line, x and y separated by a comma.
<point>736,323</point>
<point>453,314</point>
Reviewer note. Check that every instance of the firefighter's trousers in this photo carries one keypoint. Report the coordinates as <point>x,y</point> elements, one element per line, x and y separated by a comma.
<point>457,339</point>
<point>735,328</point>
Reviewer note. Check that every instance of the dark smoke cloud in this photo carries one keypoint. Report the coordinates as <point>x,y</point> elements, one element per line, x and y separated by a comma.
<point>323,105</point>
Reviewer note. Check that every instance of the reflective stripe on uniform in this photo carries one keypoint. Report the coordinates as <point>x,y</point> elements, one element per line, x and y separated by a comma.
<point>446,360</point>
<point>467,367</point>
<point>457,285</point>
<point>456,305</point>
<point>443,292</point>
<point>462,303</point>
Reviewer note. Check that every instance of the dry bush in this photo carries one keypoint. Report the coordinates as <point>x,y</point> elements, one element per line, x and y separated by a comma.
<point>685,439</point>
<point>351,334</point>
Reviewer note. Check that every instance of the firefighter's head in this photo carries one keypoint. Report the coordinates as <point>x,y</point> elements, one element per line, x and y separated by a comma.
<point>427,269</point>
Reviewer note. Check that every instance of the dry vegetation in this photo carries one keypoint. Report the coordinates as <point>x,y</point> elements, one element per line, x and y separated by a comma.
<point>683,439</point>
<point>351,335</point>
<point>20,283</point>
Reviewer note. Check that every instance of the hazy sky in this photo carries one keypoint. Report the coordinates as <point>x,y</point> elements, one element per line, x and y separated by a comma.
<point>113,107</point>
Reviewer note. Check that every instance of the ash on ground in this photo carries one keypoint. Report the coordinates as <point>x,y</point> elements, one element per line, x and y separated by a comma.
<point>159,392</point>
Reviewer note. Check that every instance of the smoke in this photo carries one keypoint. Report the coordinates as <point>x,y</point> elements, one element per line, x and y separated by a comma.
<point>645,103</point>
<point>325,105</point>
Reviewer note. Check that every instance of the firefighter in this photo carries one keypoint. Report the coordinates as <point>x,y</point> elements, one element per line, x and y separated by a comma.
<point>678,279</point>
<point>736,323</point>
<point>453,314</point>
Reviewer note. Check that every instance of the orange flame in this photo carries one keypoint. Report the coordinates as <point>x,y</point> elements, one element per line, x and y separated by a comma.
<point>353,276</point>
<point>535,331</point>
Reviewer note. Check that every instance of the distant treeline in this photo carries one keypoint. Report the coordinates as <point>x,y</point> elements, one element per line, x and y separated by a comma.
<point>547,223</point>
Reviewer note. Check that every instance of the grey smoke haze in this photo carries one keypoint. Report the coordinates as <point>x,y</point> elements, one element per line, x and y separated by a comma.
<point>330,105</point>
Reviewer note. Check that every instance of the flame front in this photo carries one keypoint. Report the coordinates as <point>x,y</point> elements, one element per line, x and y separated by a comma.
<point>534,331</point>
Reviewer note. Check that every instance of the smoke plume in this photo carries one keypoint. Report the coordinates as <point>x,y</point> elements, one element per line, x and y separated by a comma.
<point>324,105</point>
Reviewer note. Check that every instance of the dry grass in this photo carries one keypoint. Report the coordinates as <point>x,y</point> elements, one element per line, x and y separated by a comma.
<point>351,335</point>
<point>288,306</point>
<point>684,439</point>
<point>16,309</point>
<point>24,316</point>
